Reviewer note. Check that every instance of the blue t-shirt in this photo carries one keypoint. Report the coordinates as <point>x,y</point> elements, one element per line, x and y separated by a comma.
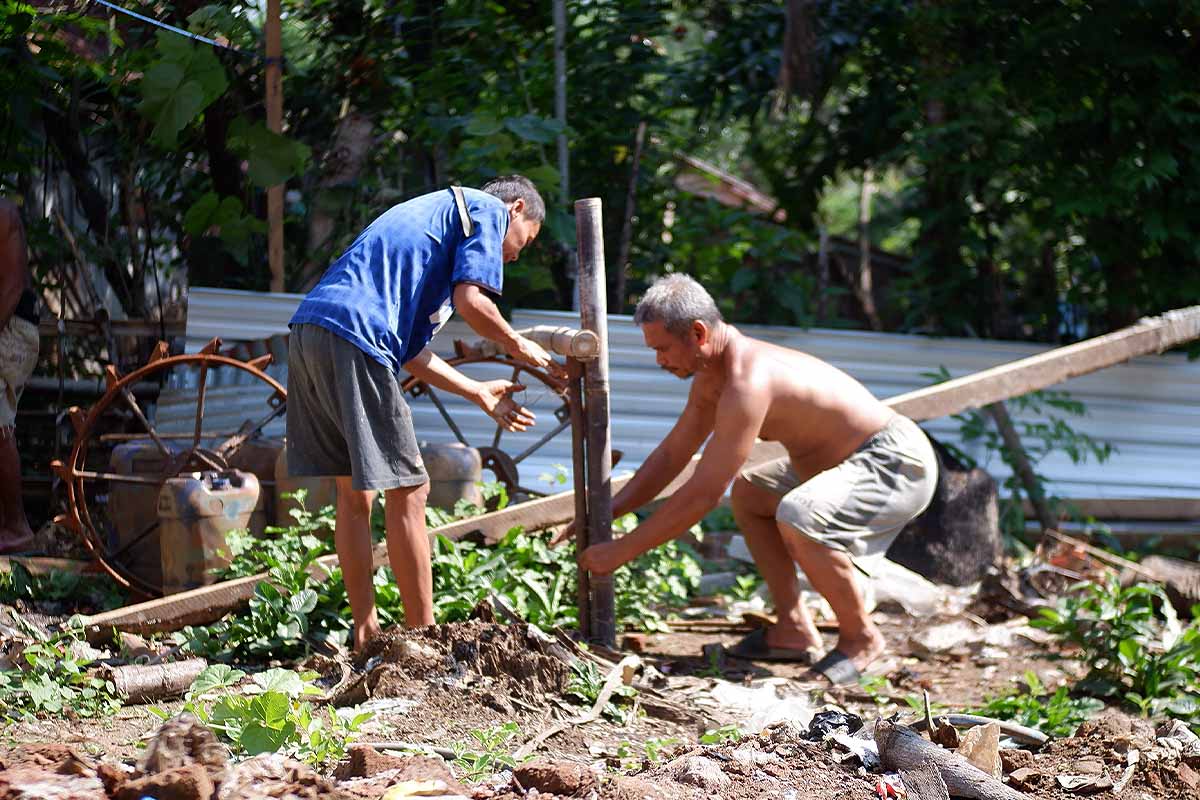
<point>391,291</point>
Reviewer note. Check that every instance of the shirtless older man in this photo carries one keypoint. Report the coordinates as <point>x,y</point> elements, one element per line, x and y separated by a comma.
<point>855,475</point>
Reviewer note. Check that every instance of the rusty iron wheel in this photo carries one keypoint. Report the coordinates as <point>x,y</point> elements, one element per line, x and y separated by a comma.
<point>470,426</point>
<point>88,487</point>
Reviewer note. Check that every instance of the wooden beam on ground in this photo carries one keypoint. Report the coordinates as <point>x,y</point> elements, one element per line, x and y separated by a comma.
<point>44,565</point>
<point>1150,335</point>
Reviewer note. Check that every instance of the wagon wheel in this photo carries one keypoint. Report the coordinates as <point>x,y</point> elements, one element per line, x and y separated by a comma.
<point>443,418</point>
<point>90,487</point>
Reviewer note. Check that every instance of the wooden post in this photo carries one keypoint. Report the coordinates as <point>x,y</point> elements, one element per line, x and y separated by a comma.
<point>579,468</point>
<point>275,123</point>
<point>593,316</point>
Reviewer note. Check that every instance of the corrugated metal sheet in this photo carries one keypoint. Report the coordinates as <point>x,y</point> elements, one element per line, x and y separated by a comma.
<point>1149,409</point>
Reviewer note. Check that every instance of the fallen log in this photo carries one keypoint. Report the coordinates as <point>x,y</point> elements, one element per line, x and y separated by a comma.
<point>138,683</point>
<point>1153,335</point>
<point>902,750</point>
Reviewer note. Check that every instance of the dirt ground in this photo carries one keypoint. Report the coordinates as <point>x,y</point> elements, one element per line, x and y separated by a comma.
<point>431,688</point>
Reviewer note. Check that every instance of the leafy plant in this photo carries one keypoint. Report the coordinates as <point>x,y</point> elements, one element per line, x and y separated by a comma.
<point>19,586</point>
<point>274,718</point>
<point>54,680</point>
<point>1032,705</point>
<point>723,734</point>
<point>1135,646</point>
<point>490,753</point>
<point>586,684</point>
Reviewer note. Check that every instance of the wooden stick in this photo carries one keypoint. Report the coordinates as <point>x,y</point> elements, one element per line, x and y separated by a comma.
<point>137,683</point>
<point>593,316</point>
<point>1021,465</point>
<point>1150,335</point>
<point>901,748</point>
<point>617,677</point>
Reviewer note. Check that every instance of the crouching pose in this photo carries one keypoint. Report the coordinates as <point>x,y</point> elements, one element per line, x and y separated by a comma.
<point>856,472</point>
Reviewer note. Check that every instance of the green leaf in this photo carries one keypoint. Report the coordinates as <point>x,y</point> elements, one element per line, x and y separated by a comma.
<point>216,676</point>
<point>283,681</point>
<point>258,738</point>
<point>483,125</point>
<point>533,128</point>
<point>743,279</point>
<point>272,158</point>
<point>184,81</point>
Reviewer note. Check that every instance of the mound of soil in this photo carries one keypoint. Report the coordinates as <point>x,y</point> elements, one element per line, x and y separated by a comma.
<point>513,661</point>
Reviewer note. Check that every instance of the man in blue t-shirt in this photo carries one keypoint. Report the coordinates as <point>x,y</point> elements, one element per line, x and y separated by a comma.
<point>372,315</point>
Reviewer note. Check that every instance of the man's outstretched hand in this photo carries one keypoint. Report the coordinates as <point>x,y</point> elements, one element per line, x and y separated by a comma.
<point>495,398</point>
<point>529,351</point>
<point>602,559</point>
<point>564,534</point>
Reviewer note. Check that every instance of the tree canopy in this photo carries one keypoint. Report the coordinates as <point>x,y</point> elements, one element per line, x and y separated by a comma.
<point>1015,170</point>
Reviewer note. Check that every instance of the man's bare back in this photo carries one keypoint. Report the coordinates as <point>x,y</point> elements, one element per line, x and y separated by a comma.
<point>817,412</point>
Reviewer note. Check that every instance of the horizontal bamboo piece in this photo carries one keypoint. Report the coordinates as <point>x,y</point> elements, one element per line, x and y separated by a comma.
<point>564,341</point>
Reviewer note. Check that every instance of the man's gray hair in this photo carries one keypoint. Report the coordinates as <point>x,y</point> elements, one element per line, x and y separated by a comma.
<point>677,301</point>
<point>517,187</point>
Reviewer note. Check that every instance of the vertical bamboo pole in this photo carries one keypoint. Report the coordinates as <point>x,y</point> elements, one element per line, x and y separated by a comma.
<point>275,123</point>
<point>579,469</point>
<point>593,316</point>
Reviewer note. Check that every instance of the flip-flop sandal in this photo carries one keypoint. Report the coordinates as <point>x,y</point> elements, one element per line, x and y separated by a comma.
<point>754,647</point>
<point>838,669</point>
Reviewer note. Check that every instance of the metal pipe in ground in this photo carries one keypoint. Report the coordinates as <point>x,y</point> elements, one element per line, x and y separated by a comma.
<point>593,316</point>
<point>579,470</point>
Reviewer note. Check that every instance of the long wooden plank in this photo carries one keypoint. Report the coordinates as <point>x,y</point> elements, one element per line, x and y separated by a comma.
<point>1152,335</point>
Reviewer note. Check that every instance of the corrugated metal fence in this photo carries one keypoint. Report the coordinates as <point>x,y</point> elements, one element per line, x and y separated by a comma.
<point>1148,409</point>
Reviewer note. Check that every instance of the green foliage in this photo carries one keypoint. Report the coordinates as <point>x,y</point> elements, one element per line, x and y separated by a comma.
<point>586,684</point>
<point>488,754</point>
<point>19,585</point>
<point>493,493</point>
<point>1032,705</point>
<point>539,583</point>
<point>53,680</point>
<point>1135,646</point>
<point>184,80</point>
<point>234,226</point>
<point>274,718</point>
<point>722,735</point>
<point>272,158</point>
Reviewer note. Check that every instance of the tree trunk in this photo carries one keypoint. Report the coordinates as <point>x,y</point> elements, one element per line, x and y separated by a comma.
<point>864,287</point>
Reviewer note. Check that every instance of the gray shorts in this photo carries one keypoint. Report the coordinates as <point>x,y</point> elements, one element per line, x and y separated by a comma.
<point>861,505</point>
<point>347,415</point>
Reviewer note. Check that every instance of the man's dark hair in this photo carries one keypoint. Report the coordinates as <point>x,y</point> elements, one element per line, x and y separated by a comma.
<point>513,187</point>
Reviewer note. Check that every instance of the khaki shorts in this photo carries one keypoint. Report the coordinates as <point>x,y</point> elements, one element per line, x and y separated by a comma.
<point>19,344</point>
<point>862,504</point>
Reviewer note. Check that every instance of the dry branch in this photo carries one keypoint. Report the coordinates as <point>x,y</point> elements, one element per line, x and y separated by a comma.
<point>902,749</point>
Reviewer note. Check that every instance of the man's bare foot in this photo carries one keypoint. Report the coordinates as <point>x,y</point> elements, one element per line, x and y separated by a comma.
<point>363,635</point>
<point>18,541</point>
<point>864,650</point>
<point>789,636</point>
